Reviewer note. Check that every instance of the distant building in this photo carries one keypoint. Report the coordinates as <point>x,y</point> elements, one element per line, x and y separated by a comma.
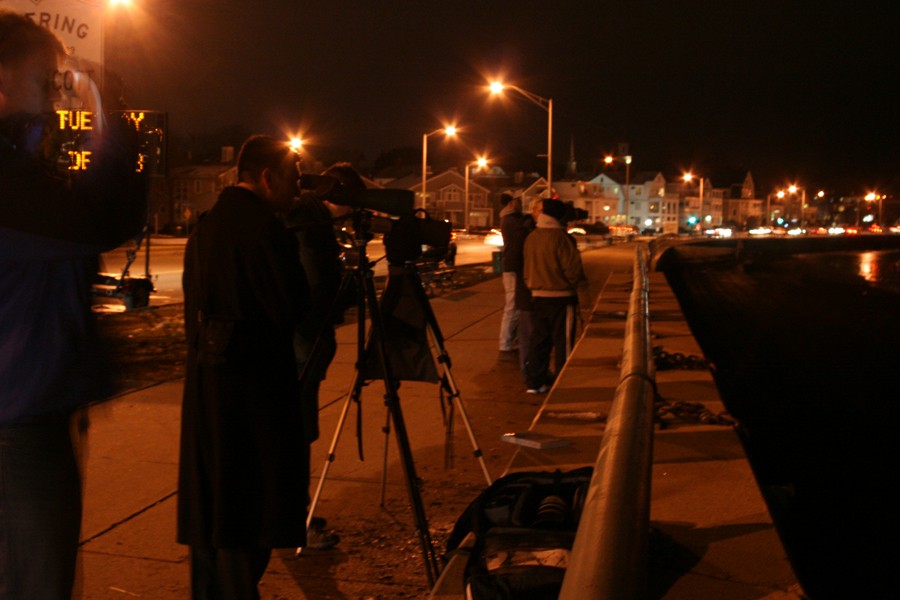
<point>601,197</point>
<point>742,208</point>
<point>646,208</point>
<point>445,198</point>
<point>195,188</point>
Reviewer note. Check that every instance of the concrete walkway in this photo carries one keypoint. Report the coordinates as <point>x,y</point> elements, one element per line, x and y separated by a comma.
<point>712,534</point>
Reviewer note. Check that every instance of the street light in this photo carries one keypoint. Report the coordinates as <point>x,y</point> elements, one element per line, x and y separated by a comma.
<point>480,163</point>
<point>497,88</point>
<point>608,159</point>
<point>801,199</point>
<point>449,131</point>
<point>688,177</point>
<point>872,197</point>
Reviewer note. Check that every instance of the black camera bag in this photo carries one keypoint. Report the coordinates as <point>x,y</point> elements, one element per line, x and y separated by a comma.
<point>524,526</point>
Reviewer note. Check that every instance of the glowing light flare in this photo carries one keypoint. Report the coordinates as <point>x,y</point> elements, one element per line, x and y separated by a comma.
<point>496,87</point>
<point>296,144</point>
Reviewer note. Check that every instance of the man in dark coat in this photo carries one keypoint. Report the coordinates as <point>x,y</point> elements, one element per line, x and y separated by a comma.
<point>244,467</point>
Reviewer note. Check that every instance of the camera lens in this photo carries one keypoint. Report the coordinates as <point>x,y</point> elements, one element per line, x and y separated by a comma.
<point>551,512</point>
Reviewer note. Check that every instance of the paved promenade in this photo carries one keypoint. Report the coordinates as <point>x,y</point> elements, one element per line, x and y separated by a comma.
<point>712,536</point>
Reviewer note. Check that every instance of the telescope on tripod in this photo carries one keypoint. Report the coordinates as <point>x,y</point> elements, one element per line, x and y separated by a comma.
<point>396,345</point>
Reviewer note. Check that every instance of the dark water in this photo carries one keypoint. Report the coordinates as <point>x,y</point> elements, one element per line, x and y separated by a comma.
<point>878,268</point>
<point>805,351</point>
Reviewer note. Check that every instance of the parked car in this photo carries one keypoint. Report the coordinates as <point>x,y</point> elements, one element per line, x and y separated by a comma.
<point>626,232</point>
<point>494,238</point>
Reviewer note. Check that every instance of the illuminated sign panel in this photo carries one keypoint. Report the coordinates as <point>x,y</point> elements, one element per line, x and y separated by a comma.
<point>150,126</point>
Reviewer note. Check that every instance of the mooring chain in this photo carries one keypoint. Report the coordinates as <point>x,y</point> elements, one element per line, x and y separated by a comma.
<point>676,360</point>
<point>685,411</point>
<point>689,411</point>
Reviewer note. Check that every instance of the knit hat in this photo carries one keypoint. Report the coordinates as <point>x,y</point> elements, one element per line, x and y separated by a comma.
<point>554,208</point>
<point>505,199</point>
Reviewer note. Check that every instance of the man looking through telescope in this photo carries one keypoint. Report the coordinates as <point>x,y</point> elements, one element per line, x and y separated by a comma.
<point>312,220</point>
<point>243,477</point>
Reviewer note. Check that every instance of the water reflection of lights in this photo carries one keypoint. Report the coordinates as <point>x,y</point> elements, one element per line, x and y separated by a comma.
<point>868,266</point>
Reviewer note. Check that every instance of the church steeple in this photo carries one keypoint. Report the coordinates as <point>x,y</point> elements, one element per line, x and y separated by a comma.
<point>572,168</point>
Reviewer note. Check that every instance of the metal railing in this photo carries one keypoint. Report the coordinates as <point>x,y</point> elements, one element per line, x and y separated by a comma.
<point>609,557</point>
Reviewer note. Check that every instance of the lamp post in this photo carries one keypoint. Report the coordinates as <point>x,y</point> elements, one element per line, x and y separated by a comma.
<point>480,163</point>
<point>111,8</point>
<point>872,197</point>
<point>801,199</point>
<point>449,131</point>
<point>609,159</point>
<point>688,177</point>
<point>627,185</point>
<point>547,104</point>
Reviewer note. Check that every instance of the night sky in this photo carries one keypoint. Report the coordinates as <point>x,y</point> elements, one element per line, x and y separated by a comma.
<point>804,91</point>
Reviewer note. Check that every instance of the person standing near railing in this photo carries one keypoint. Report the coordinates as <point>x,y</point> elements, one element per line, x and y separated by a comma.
<point>555,276</point>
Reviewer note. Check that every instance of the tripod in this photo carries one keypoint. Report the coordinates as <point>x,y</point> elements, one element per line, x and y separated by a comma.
<point>363,278</point>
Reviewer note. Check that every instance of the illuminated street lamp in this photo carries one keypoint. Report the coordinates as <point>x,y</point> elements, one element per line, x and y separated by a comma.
<point>497,88</point>
<point>872,197</point>
<point>801,199</point>
<point>113,10</point>
<point>480,163</point>
<point>449,131</point>
<point>688,177</point>
<point>608,159</point>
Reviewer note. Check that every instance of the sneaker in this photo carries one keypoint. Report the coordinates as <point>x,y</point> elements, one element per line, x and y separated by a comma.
<point>541,390</point>
<point>316,539</point>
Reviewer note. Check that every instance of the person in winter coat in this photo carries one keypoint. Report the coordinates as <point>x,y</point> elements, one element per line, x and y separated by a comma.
<point>554,274</point>
<point>53,228</point>
<point>244,467</point>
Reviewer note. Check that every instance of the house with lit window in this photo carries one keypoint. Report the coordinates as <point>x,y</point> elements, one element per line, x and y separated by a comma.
<point>742,208</point>
<point>602,197</point>
<point>644,199</point>
<point>445,198</point>
<point>195,188</point>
